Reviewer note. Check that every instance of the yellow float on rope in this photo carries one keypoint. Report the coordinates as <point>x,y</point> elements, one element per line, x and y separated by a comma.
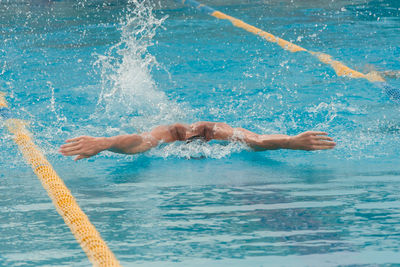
<point>339,68</point>
<point>84,231</point>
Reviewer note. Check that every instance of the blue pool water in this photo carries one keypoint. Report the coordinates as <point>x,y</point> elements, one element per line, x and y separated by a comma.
<point>110,67</point>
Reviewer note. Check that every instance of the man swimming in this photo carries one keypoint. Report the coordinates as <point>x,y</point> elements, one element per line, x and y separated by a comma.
<point>87,146</point>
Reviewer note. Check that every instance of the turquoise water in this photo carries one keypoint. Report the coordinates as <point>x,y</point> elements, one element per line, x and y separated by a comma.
<point>111,67</point>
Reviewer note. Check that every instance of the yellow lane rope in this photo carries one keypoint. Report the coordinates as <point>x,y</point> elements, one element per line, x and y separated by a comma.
<point>84,231</point>
<point>339,67</point>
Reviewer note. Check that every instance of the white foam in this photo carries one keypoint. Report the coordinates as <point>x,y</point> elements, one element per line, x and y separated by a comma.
<point>198,149</point>
<point>128,88</point>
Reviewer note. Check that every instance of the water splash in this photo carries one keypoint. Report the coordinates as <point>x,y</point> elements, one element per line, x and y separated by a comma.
<point>198,149</point>
<point>53,108</point>
<point>129,95</point>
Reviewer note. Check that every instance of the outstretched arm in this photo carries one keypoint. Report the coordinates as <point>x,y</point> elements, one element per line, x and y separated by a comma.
<point>87,146</point>
<point>311,140</point>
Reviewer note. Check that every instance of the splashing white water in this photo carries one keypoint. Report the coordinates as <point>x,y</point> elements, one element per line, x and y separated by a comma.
<point>129,95</point>
<point>130,98</point>
<point>198,149</point>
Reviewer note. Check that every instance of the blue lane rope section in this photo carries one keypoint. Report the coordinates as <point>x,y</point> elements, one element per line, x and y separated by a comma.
<point>5,113</point>
<point>393,93</point>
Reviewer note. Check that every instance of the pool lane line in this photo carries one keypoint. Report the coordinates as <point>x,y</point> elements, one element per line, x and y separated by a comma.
<point>339,68</point>
<point>84,231</point>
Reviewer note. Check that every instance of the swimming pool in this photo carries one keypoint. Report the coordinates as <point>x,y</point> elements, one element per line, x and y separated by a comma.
<point>109,67</point>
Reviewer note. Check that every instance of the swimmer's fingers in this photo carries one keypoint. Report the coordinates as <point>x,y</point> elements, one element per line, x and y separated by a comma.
<point>76,150</point>
<point>70,146</point>
<point>82,154</point>
<point>322,143</point>
<point>326,138</point>
<point>70,149</point>
<point>321,138</point>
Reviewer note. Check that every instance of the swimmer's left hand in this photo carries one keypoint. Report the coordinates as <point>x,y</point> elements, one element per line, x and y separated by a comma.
<point>311,140</point>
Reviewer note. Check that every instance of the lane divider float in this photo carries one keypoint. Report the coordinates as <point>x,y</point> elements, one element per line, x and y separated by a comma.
<point>83,230</point>
<point>339,68</point>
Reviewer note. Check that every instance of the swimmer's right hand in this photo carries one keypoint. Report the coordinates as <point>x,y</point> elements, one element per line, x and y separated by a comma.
<point>83,147</point>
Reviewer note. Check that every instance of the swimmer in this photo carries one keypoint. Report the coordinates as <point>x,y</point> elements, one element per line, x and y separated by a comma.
<point>87,146</point>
